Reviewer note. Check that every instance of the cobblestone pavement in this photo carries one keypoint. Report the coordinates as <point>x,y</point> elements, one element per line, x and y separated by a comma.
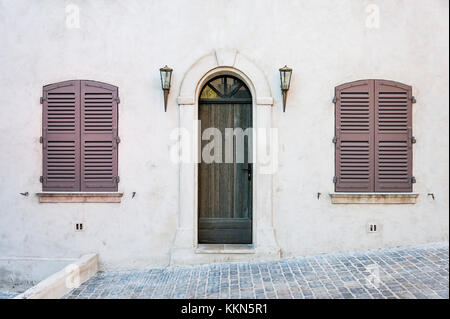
<point>7,295</point>
<point>10,289</point>
<point>406,272</point>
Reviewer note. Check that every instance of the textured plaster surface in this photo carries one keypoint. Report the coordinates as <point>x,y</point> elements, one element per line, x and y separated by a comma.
<point>124,43</point>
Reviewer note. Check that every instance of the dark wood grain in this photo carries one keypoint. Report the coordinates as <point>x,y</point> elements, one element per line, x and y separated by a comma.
<point>225,189</point>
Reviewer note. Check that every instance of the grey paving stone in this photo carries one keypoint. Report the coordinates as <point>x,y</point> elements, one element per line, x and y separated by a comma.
<point>405,272</point>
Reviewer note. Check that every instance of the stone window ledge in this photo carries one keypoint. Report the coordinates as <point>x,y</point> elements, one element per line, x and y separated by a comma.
<point>224,249</point>
<point>374,198</point>
<point>79,197</point>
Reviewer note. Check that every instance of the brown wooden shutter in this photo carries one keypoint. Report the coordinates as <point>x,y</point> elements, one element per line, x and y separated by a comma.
<point>99,136</point>
<point>61,136</point>
<point>354,137</point>
<point>393,137</point>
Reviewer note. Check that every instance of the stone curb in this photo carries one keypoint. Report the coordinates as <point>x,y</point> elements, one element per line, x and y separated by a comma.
<point>60,283</point>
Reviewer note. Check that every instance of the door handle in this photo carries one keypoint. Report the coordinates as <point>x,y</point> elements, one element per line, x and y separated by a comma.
<point>249,171</point>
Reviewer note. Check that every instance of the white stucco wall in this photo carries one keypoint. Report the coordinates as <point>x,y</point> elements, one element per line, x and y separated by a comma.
<point>124,43</point>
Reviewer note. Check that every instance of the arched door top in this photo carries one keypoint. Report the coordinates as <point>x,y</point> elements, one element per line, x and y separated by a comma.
<point>225,88</point>
<point>220,62</point>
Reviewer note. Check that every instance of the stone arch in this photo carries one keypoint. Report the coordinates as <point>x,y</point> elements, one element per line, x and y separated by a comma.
<point>186,248</point>
<point>220,62</point>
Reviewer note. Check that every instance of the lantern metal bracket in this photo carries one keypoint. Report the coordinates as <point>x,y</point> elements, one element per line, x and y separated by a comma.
<point>284,92</point>
<point>166,95</point>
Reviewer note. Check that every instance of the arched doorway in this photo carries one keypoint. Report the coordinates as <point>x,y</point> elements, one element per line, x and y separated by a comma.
<point>225,170</point>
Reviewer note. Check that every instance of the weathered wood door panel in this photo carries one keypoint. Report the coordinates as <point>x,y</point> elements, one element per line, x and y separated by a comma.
<point>225,184</point>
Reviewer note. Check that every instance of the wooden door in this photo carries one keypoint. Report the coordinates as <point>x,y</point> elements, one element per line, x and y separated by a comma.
<point>225,185</point>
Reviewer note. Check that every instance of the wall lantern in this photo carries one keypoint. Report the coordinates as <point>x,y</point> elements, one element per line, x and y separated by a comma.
<point>166,75</point>
<point>285,77</point>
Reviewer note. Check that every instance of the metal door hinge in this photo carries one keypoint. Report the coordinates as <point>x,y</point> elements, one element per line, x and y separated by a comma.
<point>413,99</point>
<point>41,140</point>
<point>117,100</point>
<point>41,100</point>
<point>413,180</point>
<point>117,139</point>
<point>413,140</point>
<point>116,179</point>
<point>334,100</point>
<point>334,140</point>
<point>334,179</point>
<point>41,179</point>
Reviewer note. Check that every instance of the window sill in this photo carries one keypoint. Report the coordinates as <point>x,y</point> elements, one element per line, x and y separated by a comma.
<point>374,198</point>
<point>224,249</point>
<point>79,197</point>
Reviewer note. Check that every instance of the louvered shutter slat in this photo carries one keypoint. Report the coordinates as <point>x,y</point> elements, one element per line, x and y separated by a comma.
<point>61,136</point>
<point>393,133</point>
<point>99,129</point>
<point>354,137</point>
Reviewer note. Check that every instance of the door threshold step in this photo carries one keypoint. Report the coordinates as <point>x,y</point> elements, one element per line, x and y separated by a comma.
<point>225,249</point>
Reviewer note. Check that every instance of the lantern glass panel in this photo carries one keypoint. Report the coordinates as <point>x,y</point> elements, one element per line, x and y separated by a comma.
<point>165,79</point>
<point>285,79</point>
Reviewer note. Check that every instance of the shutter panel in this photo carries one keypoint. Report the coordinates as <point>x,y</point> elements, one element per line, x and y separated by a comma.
<point>354,137</point>
<point>61,136</point>
<point>99,139</point>
<point>393,134</point>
